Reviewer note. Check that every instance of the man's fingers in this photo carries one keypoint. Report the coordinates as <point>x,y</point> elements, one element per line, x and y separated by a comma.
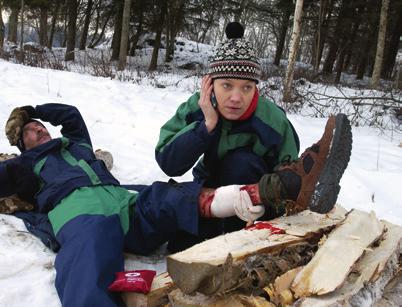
<point>257,209</point>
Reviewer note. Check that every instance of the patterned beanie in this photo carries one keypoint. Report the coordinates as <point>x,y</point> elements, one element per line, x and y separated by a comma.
<point>235,58</point>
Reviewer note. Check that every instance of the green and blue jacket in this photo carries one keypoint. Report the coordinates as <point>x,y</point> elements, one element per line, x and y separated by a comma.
<point>62,166</point>
<point>184,139</point>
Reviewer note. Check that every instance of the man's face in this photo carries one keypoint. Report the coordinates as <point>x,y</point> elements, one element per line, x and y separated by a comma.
<point>34,134</point>
<point>234,96</point>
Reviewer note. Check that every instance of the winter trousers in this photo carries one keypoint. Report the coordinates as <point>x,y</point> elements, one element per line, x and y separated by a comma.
<point>239,166</point>
<point>95,225</point>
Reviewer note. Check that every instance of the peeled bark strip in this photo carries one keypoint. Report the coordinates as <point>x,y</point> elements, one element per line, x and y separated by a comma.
<point>217,264</point>
<point>370,275</point>
<point>158,296</point>
<point>279,292</point>
<point>335,258</point>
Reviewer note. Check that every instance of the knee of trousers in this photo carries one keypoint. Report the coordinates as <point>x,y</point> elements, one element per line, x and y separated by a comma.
<point>91,253</point>
<point>241,166</point>
<point>160,211</point>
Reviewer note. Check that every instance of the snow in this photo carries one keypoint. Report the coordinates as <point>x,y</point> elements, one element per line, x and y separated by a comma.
<point>124,118</point>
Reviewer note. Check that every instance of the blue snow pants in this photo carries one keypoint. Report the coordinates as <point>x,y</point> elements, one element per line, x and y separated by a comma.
<point>239,166</point>
<point>92,245</point>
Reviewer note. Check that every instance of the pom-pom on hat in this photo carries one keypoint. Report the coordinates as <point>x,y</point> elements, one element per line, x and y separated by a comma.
<point>235,58</point>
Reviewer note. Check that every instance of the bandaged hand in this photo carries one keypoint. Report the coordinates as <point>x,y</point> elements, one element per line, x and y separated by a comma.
<point>245,210</point>
<point>230,200</point>
<point>16,122</point>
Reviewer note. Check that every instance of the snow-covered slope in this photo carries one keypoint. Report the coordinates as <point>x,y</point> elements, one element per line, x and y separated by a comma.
<point>124,119</point>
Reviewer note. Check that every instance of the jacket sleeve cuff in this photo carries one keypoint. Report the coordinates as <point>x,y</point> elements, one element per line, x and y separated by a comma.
<point>202,131</point>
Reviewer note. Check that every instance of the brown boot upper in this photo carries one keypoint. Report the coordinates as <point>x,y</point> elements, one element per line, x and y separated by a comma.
<point>308,168</point>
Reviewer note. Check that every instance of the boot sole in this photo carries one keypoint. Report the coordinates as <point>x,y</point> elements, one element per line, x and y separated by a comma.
<point>327,187</point>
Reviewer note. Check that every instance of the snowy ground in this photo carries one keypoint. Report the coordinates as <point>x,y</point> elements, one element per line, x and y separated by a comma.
<point>125,118</point>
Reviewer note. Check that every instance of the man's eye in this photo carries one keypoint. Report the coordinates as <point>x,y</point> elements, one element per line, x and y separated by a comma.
<point>226,85</point>
<point>248,88</point>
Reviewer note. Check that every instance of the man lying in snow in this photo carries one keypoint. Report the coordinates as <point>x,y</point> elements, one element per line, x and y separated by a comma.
<point>82,211</point>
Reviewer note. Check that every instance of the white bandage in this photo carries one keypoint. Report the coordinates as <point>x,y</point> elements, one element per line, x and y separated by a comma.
<point>229,201</point>
<point>245,210</point>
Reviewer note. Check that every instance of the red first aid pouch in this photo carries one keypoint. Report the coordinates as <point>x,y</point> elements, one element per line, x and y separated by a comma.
<point>133,281</point>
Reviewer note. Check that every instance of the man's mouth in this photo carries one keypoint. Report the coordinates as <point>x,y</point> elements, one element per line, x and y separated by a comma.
<point>42,136</point>
<point>233,109</point>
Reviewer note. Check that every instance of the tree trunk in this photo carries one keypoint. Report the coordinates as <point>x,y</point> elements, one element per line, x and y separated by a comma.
<point>154,60</point>
<point>2,28</point>
<point>65,24</point>
<point>53,26</point>
<point>84,34</point>
<point>282,35</point>
<point>339,65</point>
<point>43,27</point>
<point>209,22</point>
<point>349,48</point>
<point>174,22</point>
<point>22,59</point>
<point>324,32</point>
<point>13,25</point>
<point>347,37</point>
<point>95,42</point>
<point>319,34</point>
<point>71,30</point>
<point>341,27</point>
<point>392,49</point>
<point>138,31</point>
<point>97,22</point>
<point>382,29</point>
<point>294,45</point>
<point>124,35</point>
<point>117,30</point>
<point>368,45</point>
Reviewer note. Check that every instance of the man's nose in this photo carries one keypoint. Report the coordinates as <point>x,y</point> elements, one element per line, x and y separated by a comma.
<point>236,95</point>
<point>39,129</point>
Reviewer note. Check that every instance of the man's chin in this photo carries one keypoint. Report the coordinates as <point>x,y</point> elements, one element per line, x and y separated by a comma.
<point>44,140</point>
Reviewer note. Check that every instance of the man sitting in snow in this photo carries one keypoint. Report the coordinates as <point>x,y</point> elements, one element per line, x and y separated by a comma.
<point>82,211</point>
<point>231,133</point>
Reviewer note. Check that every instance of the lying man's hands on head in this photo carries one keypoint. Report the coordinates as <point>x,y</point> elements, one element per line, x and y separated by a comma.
<point>16,122</point>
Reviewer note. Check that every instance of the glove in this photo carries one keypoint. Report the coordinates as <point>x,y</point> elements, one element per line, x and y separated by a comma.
<point>12,204</point>
<point>245,210</point>
<point>24,180</point>
<point>230,200</point>
<point>16,122</point>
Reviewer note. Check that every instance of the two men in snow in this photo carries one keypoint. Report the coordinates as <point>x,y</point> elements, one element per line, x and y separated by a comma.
<point>84,213</point>
<point>81,209</point>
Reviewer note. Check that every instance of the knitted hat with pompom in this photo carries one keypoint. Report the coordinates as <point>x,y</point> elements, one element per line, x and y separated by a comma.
<point>235,57</point>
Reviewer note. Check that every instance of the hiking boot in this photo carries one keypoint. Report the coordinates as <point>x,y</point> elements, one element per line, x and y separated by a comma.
<point>312,181</point>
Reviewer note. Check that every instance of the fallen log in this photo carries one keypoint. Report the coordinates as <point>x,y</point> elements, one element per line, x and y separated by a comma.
<point>392,295</point>
<point>179,299</point>
<point>157,296</point>
<point>223,263</point>
<point>336,257</point>
<point>369,276</point>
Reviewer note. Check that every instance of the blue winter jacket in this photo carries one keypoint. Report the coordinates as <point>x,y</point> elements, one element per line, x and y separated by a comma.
<point>62,164</point>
